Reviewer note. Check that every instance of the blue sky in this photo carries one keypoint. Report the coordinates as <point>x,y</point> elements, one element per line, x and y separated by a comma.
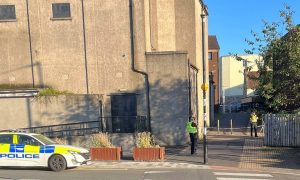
<point>232,20</point>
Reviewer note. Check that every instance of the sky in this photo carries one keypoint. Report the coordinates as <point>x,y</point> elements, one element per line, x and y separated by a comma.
<point>232,20</point>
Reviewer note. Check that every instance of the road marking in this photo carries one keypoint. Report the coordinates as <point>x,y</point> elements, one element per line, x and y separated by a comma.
<point>242,174</point>
<point>99,169</point>
<point>157,172</point>
<point>220,178</point>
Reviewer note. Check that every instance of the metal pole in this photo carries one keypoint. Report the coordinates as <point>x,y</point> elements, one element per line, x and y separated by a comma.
<point>218,126</point>
<point>30,44</point>
<point>231,126</point>
<point>85,48</point>
<point>204,90</point>
<point>190,91</point>
<point>133,68</point>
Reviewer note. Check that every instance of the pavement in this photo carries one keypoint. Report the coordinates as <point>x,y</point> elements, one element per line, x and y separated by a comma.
<point>226,151</point>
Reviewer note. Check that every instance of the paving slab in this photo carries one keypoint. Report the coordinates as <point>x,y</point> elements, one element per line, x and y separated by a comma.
<point>141,165</point>
<point>257,156</point>
<point>224,152</point>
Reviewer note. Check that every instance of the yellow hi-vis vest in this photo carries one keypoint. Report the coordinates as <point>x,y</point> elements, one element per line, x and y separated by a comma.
<point>253,119</point>
<point>190,128</point>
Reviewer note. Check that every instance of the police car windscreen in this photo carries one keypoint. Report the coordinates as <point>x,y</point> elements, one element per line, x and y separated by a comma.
<point>44,139</point>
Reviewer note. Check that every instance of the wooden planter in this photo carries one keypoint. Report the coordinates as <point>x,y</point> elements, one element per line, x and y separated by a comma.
<point>99,153</point>
<point>148,154</point>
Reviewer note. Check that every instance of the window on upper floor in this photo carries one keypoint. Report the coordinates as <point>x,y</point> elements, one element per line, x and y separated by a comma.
<point>7,12</point>
<point>210,56</point>
<point>61,10</point>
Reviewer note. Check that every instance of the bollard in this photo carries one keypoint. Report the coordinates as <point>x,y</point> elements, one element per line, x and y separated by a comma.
<point>218,126</point>
<point>231,126</point>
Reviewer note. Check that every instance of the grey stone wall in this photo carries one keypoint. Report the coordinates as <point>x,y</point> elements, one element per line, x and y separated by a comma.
<point>124,140</point>
<point>53,110</point>
<point>169,96</point>
<point>31,112</point>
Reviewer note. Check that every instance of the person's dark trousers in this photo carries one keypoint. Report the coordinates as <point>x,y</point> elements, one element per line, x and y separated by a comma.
<point>193,142</point>
<point>254,127</point>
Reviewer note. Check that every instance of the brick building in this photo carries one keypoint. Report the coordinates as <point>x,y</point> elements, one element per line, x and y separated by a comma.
<point>213,61</point>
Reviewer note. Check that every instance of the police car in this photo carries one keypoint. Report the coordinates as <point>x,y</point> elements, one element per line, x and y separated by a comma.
<point>35,150</point>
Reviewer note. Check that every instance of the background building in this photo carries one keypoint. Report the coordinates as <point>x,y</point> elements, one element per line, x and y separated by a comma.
<point>235,85</point>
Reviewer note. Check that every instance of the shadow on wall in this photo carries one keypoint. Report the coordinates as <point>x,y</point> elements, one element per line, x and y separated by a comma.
<point>49,110</point>
<point>169,99</point>
<point>38,71</point>
<point>69,109</point>
<point>169,110</point>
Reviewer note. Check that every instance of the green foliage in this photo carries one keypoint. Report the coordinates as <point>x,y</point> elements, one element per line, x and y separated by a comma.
<point>145,140</point>
<point>279,75</point>
<point>52,92</point>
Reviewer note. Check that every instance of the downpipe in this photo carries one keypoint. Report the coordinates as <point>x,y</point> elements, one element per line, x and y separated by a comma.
<point>133,65</point>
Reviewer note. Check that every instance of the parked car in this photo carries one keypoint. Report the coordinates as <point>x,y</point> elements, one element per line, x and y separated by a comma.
<point>19,149</point>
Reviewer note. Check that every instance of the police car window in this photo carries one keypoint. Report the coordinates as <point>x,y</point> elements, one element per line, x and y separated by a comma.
<point>27,140</point>
<point>6,139</point>
<point>44,139</point>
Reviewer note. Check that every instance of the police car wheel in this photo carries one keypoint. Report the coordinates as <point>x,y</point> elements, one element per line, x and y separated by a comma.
<point>57,163</point>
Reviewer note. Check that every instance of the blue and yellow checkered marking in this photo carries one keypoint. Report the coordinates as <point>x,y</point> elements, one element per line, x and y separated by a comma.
<point>21,148</point>
<point>47,149</point>
<point>20,151</point>
<point>16,148</point>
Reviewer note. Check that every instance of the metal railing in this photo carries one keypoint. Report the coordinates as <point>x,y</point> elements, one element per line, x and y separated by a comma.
<point>232,129</point>
<point>116,124</point>
<point>124,124</point>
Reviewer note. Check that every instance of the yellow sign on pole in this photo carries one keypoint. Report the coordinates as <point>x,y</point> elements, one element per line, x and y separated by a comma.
<point>204,87</point>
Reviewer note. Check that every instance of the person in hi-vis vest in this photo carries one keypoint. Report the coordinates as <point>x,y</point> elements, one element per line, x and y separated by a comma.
<point>191,128</point>
<point>253,121</point>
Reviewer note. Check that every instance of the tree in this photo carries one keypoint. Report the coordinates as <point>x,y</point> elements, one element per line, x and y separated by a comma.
<point>278,82</point>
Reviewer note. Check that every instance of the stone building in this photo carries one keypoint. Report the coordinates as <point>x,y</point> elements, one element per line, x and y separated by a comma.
<point>142,56</point>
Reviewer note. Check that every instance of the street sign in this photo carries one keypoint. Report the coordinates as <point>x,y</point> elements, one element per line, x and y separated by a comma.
<point>204,87</point>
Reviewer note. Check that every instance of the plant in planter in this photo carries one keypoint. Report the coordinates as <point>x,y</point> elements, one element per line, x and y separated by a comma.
<point>146,149</point>
<point>62,141</point>
<point>101,148</point>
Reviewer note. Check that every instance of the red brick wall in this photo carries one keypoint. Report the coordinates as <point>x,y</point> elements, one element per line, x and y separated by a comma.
<point>251,83</point>
<point>214,68</point>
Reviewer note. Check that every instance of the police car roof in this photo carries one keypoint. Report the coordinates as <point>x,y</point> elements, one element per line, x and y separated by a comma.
<point>11,132</point>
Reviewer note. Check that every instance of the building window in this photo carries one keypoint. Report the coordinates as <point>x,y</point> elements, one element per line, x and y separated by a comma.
<point>210,56</point>
<point>61,10</point>
<point>7,12</point>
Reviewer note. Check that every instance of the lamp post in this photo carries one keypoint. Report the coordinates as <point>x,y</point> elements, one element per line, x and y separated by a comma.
<point>204,88</point>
